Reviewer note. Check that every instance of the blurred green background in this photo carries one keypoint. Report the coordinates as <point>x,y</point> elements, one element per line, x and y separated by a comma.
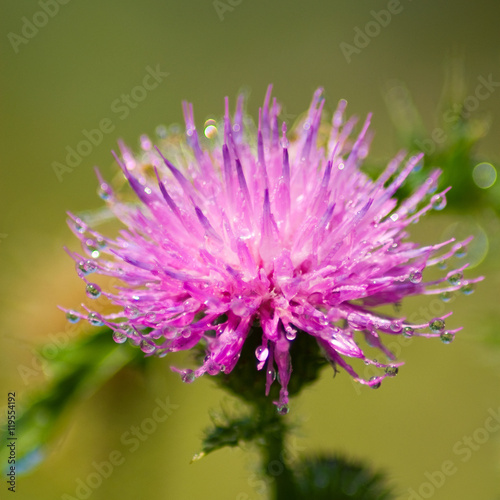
<point>66,77</point>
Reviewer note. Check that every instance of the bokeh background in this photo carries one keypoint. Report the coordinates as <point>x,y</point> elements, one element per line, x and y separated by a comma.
<point>65,77</point>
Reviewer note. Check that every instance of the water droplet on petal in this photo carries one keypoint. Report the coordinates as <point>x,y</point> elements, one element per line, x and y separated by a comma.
<point>283,409</point>
<point>92,248</point>
<point>146,347</point>
<point>188,376</point>
<point>291,333</point>
<point>442,265</point>
<point>119,337</point>
<point>104,191</point>
<point>284,142</point>
<point>455,278</point>
<point>468,288</point>
<point>72,317</point>
<point>93,291</point>
<point>261,353</point>
<point>131,312</point>
<point>447,337</point>
<point>445,296</point>
<point>161,353</point>
<point>396,326</point>
<point>460,251</point>
<point>79,226</point>
<point>101,242</point>
<point>408,332</point>
<point>438,201</point>
<point>416,277</point>
<point>85,267</point>
<point>436,325</point>
<point>151,317</point>
<point>377,385</point>
<point>95,319</point>
<point>392,371</point>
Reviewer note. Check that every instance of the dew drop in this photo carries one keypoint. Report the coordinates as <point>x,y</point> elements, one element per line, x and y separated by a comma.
<point>455,278</point>
<point>442,265</point>
<point>392,371</point>
<point>131,312</point>
<point>408,332</point>
<point>445,296</point>
<point>271,374</point>
<point>92,248</point>
<point>95,319</point>
<point>396,326</point>
<point>416,277</point>
<point>438,201</point>
<point>101,242</point>
<point>72,317</point>
<point>283,409</point>
<point>356,322</point>
<point>377,385</point>
<point>128,330</point>
<point>80,226</point>
<point>436,325</point>
<point>146,347</point>
<point>119,337</point>
<point>85,267</point>
<point>447,337</point>
<point>188,376</point>
<point>104,191</point>
<point>151,317</point>
<point>93,291</point>
<point>261,353</point>
<point>468,288</point>
<point>161,353</point>
<point>460,251</point>
<point>291,333</point>
<point>284,142</point>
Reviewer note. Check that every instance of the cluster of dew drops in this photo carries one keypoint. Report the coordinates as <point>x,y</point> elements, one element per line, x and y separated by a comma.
<point>94,246</point>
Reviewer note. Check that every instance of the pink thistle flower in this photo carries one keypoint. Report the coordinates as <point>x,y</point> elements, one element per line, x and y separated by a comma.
<point>248,227</point>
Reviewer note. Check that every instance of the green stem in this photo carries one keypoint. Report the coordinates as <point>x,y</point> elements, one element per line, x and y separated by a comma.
<point>275,466</point>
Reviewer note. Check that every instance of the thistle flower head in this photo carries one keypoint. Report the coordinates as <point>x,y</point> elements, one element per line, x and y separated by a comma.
<point>249,227</point>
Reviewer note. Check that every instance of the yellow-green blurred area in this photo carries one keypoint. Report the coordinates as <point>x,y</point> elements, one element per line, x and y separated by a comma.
<point>70,73</point>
